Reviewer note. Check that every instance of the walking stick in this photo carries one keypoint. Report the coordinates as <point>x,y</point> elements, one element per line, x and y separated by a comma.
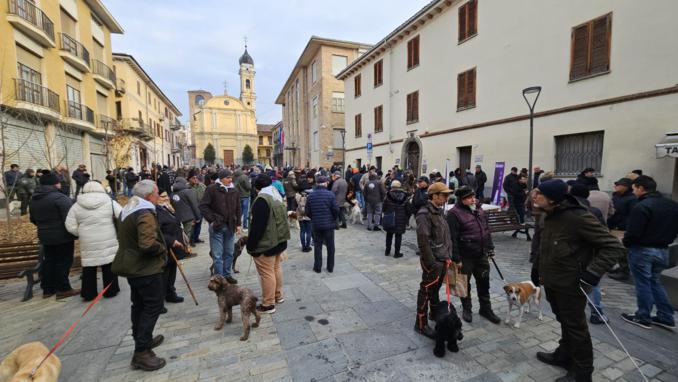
<point>497,268</point>
<point>181,269</point>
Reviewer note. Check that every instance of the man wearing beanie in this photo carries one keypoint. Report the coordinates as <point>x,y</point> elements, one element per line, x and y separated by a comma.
<point>48,211</point>
<point>472,245</point>
<point>322,208</point>
<point>575,252</point>
<point>220,206</point>
<point>267,240</point>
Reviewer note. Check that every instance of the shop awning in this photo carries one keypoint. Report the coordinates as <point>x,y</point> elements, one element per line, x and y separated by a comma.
<point>668,147</point>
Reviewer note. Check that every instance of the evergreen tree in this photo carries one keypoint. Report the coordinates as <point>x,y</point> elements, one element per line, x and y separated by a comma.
<point>247,155</point>
<point>209,154</point>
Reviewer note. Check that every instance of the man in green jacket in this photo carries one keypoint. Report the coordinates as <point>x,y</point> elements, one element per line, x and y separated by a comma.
<point>141,258</point>
<point>576,250</point>
<point>241,181</point>
<point>199,189</point>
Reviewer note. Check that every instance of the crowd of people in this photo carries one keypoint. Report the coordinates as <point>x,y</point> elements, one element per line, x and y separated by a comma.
<point>580,234</point>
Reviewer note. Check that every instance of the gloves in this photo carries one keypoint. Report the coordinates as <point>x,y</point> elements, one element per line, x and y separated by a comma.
<point>589,278</point>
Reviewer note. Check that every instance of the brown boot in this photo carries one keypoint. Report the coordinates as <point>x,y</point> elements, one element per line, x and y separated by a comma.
<point>147,360</point>
<point>68,293</point>
<point>157,340</point>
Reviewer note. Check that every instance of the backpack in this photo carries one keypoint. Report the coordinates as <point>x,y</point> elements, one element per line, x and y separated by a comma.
<point>301,206</point>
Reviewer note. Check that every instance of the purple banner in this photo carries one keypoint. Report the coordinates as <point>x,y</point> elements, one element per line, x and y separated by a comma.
<point>498,182</point>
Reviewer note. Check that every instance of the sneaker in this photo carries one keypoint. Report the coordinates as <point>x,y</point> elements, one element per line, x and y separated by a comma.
<point>490,316</point>
<point>663,324</point>
<point>280,300</point>
<point>266,309</point>
<point>157,340</point>
<point>174,299</point>
<point>231,280</point>
<point>632,319</point>
<point>376,228</point>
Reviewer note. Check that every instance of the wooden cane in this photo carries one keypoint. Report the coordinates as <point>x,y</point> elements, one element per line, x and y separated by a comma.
<point>181,269</point>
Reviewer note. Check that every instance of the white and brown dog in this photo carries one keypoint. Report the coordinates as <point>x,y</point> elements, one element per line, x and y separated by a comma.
<point>522,295</point>
<point>356,213</point>
<point>20,363</point>
<point>293,219</point>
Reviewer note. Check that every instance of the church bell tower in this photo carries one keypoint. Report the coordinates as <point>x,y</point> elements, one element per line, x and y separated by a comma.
<point>247,94</point>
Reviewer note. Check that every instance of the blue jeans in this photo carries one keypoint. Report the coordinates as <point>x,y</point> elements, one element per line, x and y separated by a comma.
<point>305,233</point>
<point>646,265</point>
<point>596,297</point>
<point>361,200</point>
<point>245,208</point>
<point>129,191</point>
<point>222,242</point>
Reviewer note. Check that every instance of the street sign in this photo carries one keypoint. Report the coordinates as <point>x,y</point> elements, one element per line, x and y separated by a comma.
<point>369,147</point>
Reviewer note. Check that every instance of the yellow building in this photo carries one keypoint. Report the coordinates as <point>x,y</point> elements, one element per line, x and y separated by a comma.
<point>147,121</point>
<point>56,83</point>
<point>265,147</point>
<point>225,122</point>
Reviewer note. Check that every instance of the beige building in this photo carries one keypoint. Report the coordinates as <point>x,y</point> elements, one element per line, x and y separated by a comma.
<point>447,85</point>
<point>265,144</point>
<point>147,121</point>
<point>57,83</point>
<point>225,122</point>
<point>313,103</point>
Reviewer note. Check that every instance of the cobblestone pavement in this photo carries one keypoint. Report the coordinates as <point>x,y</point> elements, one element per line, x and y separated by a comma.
<point>352,325</point>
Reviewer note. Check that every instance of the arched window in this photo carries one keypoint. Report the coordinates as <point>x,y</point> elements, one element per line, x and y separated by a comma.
<point>247,84</point>
<point>199,100</point>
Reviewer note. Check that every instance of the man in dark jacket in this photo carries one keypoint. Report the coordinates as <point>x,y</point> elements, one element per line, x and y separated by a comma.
<point>355,180</point>
<point>48,211</point>
<point>80,176</point>
<point>576,251</point>
<point>588,179</point>
<point>623,201</point>
<point>321,207</point>
<point>220,206</point>
<point>374,193</point>
<point>340,189</point>
<point>472,245</point>
<point>267,240</point>
<point>511,185</point>
<point>185,203</point>
<point>164,181</point>
<point>131,178</point>
<point>395,217</point>
<point>435,245</point>
<point>172,232</point>
<point>141,258</point>
<point>652,226</point>
<point>481,179</point>
<point>244,187</point>
<point>25,189</point>
<point>11,181</point>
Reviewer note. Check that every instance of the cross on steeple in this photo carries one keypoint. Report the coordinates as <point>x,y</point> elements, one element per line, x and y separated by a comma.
<point>225,87</point>
<point>245,38</point>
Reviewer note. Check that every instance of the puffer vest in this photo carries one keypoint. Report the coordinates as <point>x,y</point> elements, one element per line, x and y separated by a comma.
<point>277,229</point>
<point>475,232</point>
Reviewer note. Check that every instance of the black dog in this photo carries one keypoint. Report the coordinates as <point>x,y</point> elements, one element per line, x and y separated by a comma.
<point>448,328</point>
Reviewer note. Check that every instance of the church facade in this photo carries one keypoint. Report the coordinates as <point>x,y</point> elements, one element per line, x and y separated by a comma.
<point>227,123</point>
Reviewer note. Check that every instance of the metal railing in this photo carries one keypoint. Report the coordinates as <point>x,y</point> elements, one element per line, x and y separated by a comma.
<point>34,15</point>
<point>106,123</point>
<point>79,111</point>
<point>134,125</point>
<point>103,70</point>
<point>72,45</point>
<point>36,94</point>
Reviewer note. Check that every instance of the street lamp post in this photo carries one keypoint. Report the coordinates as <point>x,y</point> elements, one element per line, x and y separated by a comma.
<point>343,148</point>
<point>529,91</point>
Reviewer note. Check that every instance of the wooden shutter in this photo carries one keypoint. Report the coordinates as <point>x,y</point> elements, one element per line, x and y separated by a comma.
<point>461,90</point>
<point>415,107</point>
<point>415,60</point>
<point>462,22</point>
<point>580,52</point>
<point>471,88</point>
<point>358,126</point>
<point>413,52</point>
<point>600,45</point>
<point>356,85</point>
<point>472,19</point>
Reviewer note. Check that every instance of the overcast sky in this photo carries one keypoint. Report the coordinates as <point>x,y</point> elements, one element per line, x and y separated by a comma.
<point>195,44</point>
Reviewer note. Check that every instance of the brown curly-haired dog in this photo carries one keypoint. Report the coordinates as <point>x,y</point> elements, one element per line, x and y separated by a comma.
<point>230,295</point>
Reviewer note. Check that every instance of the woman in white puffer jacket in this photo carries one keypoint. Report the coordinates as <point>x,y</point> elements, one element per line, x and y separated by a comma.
<point>91,219</point>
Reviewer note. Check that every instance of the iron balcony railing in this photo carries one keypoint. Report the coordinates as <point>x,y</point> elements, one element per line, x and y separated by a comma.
<point>103,70</point>
<point>72,45</point>
<point>79,111</point>
<point>36,94</point>
<point>34,15</point>
<point>106,123</point>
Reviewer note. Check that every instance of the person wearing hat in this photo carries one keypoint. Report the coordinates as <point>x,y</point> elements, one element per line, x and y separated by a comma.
<point>26,186</point>
<point>623,202</point>
<point>220,206</point>
<point>395,217</point>
<point>199,188</point>
<point>435,245</point>
<point>340,189</point>
<point>575,252</point>
<point>80,176</point>
<point>291,187</point>
<point>48,211</point>
<point>374,192</point>
<point>587,177</point>
<point>471,246</point>
<point>321,207</point>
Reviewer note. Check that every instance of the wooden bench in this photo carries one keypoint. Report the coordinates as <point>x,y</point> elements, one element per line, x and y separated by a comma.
<point>24,260</point>
<point>500,221</point>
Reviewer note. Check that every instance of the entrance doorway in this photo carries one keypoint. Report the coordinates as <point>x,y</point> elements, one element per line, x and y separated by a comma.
<point>413,153</point>
<point>228,157</point>
<point>464,153</point>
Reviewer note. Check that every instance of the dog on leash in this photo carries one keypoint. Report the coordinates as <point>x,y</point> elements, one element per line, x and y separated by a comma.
<point>356,215</point>
<point>448,328</point>
<point>522,295</point>
<point>230,295</point>
<point>19,364</point>
<point>292,219</point>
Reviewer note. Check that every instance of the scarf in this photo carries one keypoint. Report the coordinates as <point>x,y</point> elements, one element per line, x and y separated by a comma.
<point>271,190</point>
<point>135,204</point>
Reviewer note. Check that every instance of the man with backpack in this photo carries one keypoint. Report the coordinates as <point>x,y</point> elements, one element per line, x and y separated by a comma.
<point>304,221</point>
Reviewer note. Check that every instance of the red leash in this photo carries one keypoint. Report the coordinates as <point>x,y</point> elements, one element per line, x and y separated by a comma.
<point>447,283</point>
<point>68,332</point>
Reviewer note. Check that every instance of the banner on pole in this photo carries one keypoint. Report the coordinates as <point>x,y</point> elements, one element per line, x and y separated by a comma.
<point>498,182</point>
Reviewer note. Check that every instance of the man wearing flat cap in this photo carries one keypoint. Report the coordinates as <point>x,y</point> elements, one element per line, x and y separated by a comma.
<point>575,252</point>
<point>472,245</point>
<point>433,239</point>
<point>220,206</point>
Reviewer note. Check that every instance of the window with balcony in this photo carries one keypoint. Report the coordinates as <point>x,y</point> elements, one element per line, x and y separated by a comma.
<point>28,74</point>
<point>67,23</point>
<point>337,102</point>
<point>468,20</point>
<point>413,53</point>
<point>73,101</point>
<point>591,48</point>
<point>27,11</point>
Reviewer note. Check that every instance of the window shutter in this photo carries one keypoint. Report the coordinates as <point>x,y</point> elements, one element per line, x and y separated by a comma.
<point>462,22</point>
<point>356,85</point>
<point>415,60</point>
<point>472,17</point>
<point>461,90</point>
<point>408,117</point>
<point>415,106</point>
<point>409,54</point>
<point>471,88</point>
<point>580,50</point>
<point>600,45</point>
